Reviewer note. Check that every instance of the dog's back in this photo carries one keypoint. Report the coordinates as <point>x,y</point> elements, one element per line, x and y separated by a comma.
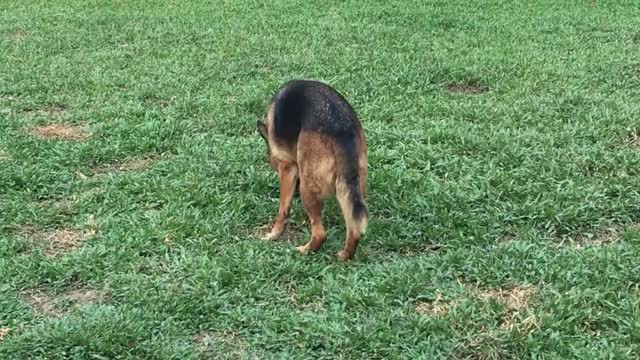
<point>312,124</point>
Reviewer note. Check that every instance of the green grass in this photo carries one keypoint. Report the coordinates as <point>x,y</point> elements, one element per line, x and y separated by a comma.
<point>531,186</point>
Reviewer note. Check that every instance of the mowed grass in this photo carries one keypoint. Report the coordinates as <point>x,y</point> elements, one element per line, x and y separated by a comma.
<point>504,166</point>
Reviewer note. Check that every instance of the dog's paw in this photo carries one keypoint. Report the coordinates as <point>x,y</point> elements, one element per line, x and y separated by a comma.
<point>343,255</point>
<point>302,249</point>
<point>272,236</point>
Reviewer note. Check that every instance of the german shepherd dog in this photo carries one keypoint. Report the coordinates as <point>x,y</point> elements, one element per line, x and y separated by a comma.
<point>314,136</point>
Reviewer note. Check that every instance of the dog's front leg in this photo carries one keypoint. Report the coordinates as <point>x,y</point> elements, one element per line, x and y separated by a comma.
<point>288,173</point>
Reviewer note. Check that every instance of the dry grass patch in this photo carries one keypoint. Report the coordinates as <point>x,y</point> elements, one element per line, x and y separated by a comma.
<point>61,132</point>
<point>515,300</point>
<point>47,304</point>
<point>85,296</point>
<point>59,241</point>
<point>41,302</point>
<point>66,240</point>
<point>437,308</point>
<point>472,87</point>
<point>132,164</point>
<point>4,331</point>
<point>598,238</point>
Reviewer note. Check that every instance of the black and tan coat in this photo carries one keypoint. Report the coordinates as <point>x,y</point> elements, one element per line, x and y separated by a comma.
<point>314,137</point>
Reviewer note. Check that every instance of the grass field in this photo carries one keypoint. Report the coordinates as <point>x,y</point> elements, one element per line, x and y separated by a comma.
<point>504,160</point>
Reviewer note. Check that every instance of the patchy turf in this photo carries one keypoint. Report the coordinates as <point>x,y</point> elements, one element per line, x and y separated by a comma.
<point>46,304</point>
<point>437,308</point>
<point>504,181</point>
<point>468,87</point>
<point>133,164</point>
<point>60,132</point>
<point>58,241</point>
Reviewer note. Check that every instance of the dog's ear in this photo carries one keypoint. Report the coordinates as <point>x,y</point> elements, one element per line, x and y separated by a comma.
<point>262,128</point>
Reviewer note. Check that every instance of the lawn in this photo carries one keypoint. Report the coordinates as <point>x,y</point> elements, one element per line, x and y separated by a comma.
<point>504,162</point>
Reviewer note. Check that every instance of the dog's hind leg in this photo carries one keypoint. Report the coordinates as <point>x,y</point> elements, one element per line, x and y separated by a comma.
<point>288,173</point>
<point>313,203</point>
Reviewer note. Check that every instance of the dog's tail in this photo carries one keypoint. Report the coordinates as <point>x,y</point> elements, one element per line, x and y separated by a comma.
<point>351,198</point>
<point>351,185</point>
<point>359,209</point>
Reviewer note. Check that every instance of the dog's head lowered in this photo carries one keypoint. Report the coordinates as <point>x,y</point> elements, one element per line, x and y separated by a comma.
<point>264,132</point>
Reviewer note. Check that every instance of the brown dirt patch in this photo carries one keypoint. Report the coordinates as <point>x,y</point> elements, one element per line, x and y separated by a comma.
<point>45,303</point>
<point>66,240</point>
<point>41,302</point>
<point>471,87</point>
<point>437,308</point>
<point>61,132</point>
<point>598,238</point>
<point>607,236</point>
<point>4,331</point>
<point>60,240</point>
<point>85,296</point>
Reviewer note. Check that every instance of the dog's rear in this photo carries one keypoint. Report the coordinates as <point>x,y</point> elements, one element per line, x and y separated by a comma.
<point>314,134</point>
